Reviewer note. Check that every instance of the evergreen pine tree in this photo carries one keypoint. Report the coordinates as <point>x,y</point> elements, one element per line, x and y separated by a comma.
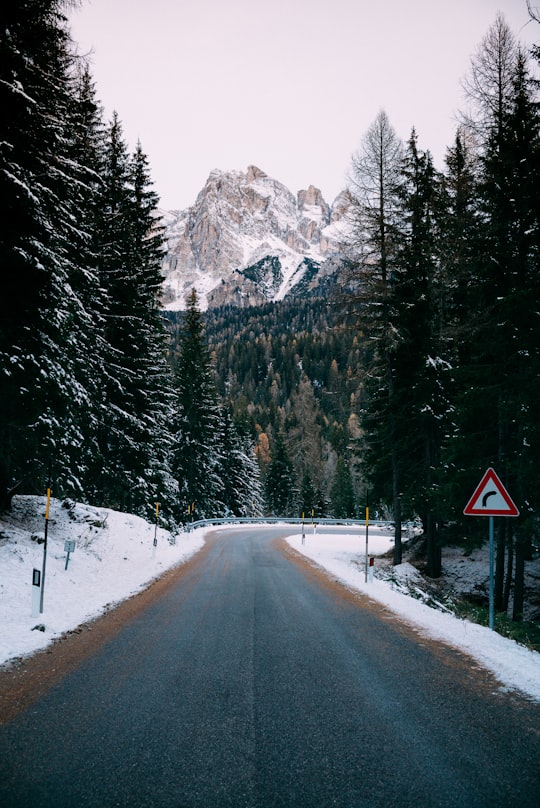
<point>197,455</point>
<point>153,388</point>
<point>84,348</point>
<point>342,502</point>
<point>419,359</point>
<point>280,484</point>
<point>42,314</point>
<point>238,470</point>
<point>309,500</point>
<point>459,251</point>
<point>109,475</point>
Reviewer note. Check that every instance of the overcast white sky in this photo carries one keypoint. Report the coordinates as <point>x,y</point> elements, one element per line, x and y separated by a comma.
<point>287,85</point>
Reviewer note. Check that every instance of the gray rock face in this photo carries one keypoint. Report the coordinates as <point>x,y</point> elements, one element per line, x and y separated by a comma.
<point>247,239</point>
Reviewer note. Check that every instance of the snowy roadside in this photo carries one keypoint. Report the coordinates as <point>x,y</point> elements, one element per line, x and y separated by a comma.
<point>516,667</point>
<point>114,558</point>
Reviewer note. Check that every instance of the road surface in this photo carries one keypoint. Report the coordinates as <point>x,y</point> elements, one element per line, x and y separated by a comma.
<point>255,681</point>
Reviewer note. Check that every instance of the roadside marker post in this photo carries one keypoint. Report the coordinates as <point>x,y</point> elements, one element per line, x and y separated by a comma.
<point>155,530</point>
<point>491,499</point>
<point>69,547</point>
<point>157,521</point>
<point>47,506</point>
<point>367,532</point>
<point>36,591</point>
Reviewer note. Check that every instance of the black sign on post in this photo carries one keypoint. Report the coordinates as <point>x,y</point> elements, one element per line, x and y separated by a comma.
<point>36,591</point>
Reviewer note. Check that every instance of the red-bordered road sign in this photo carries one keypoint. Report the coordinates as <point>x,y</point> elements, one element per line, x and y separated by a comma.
<point>491,498</point>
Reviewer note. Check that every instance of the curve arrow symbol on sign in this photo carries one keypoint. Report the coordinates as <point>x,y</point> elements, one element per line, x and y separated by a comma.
<point>491,488</point>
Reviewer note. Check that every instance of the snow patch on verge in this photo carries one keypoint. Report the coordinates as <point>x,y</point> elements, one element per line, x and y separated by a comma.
<point>516,667</point>
<point>114,558</point>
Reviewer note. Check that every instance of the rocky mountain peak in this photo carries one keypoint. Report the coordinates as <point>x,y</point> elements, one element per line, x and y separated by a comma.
<point>254,173</point>
<point>310,198</point>
<point>246,239</point>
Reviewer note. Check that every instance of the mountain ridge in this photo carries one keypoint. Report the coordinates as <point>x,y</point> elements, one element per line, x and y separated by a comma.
<point>248,239</point>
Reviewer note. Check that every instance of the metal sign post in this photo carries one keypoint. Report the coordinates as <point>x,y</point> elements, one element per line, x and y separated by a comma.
<point>491,499</point>
<point>491,575</point>
<point>36,591</point>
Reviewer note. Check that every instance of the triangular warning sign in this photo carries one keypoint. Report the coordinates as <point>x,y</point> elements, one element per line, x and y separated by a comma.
<point>490,498</point>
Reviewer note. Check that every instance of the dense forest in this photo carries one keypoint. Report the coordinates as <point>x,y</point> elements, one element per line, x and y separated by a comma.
<point>420,370</point>
<point>300,380</point>
<point>448,295</point>
<point>90,404</point>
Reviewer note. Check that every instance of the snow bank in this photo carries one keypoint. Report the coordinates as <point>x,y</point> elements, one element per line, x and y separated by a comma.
<point>114,558</point>
<point>515,666</point>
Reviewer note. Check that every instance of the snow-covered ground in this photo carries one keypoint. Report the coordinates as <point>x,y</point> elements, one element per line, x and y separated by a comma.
<point>115,557</point>
<point>343,556</point>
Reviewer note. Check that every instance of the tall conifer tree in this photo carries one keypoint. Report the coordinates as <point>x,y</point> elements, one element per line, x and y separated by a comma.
<point>238,470</point>
<point>419,362</point>
<point>376,173</point>
<point>280,482</point>
<point>196,451</point>
<point>41,327</point>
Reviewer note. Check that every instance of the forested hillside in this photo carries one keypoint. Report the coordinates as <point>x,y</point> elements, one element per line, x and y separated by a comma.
<point>294,367</point>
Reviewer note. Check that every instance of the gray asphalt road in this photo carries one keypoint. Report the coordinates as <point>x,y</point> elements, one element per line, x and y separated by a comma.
<point>252,683</point>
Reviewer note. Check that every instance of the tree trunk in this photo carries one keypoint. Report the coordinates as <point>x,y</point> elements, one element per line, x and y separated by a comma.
<point>434,565</point>
<point>397,510</point>
<point>509,572</point>
<point>522,552</point>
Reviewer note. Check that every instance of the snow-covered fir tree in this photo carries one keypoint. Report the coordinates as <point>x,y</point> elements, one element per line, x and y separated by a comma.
<point>197,455</point>
<point>280,481</point>
<point>131,468</point>
<point>239,471</point>
<point>43,319</point>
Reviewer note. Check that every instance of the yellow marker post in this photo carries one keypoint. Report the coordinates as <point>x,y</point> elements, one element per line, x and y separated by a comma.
<point>367,532</point>
<point>157,518</point>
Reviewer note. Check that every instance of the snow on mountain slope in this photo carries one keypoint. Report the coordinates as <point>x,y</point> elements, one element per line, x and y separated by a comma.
<point>248,239</point>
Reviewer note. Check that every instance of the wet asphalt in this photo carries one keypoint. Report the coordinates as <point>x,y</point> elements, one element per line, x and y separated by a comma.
<point>254,682</point>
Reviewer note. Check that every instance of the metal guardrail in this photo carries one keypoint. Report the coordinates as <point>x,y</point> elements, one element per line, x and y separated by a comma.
<point>271,520</point>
